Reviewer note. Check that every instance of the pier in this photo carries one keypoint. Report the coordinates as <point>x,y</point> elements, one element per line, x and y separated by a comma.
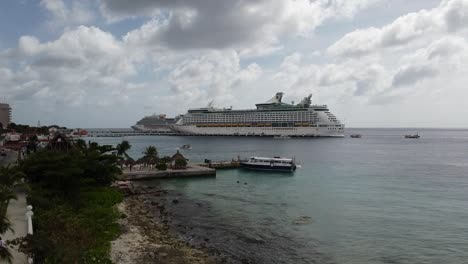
<point>221,165</point>
<point>192,170</point>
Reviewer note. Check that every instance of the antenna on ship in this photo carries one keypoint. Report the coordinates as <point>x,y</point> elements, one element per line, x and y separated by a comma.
<point>210,104</point>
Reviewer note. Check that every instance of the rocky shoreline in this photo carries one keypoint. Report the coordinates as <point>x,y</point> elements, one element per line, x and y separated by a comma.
<point>145,234</point>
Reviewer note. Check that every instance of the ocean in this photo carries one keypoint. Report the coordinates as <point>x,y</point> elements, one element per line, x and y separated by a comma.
<point>378,199</point>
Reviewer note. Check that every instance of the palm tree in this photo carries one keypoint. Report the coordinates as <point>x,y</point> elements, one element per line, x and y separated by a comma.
<point>11,177</point>
<point>150,155</point>
<point>122,149</point>
<point>5,255</point>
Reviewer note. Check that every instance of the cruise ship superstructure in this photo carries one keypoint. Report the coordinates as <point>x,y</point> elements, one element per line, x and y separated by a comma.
<point>155,123</point>
<point>272,118</point>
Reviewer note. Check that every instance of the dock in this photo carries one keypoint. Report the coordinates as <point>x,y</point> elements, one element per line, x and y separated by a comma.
<point>221,165</point>
<point>192,170</point>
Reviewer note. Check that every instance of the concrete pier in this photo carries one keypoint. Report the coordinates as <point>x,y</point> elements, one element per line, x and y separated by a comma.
<point>222,165</point>
<point>192,170</point>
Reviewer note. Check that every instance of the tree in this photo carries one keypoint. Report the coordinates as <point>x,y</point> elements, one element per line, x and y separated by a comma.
<point>10,178</point>
<point>161,166</point>
<point>122,148</point>
<point>5,254</point>
<point>180,163</point>
<point>150,155</point>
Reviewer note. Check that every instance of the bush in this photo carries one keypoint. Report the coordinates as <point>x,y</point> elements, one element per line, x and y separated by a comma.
<point>180,163</point>
<point>75,216</point>
<point>161,166</point>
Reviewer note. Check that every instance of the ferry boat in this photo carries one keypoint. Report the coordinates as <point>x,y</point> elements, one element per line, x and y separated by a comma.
<point>274,164</point>
<point>272,118</point>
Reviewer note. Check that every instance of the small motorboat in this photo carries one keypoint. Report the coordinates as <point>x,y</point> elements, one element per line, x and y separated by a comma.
<point>412,136</point>
<point>356,136</point>
<point>270,164</point>
<point>186,146</point>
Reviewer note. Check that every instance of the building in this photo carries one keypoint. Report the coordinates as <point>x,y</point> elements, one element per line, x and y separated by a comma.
<point>5,115</point>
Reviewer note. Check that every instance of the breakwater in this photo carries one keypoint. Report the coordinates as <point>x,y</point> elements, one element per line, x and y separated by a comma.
<point>192,170</point>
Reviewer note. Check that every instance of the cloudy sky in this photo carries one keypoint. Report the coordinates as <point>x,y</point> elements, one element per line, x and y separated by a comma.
<point>107,63</point>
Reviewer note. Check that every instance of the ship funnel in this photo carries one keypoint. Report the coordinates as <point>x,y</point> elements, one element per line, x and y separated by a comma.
<point>279,97</point>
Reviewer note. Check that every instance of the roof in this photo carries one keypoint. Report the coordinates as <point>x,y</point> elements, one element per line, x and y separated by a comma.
<point>178,155</point>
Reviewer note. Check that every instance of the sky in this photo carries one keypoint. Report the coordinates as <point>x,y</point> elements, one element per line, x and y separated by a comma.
<point>108,63</point>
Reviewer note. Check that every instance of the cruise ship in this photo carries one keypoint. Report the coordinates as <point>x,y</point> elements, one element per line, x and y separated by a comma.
<point>272,118</point>
<point>155,123</point>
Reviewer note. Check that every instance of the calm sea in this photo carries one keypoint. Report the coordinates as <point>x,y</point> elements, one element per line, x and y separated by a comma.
<point>378,199</point>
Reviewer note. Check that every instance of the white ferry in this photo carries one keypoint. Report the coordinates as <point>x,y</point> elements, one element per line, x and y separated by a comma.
<point>272,118</point>
<point>276,163</point>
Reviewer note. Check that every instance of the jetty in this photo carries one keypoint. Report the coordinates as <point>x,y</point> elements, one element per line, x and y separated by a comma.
<point>191,170</point>
<point>221,165</point>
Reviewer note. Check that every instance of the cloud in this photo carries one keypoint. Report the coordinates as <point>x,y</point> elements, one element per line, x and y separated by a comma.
<point>66,15</point>
<point>449,16</point>
<point>443,56</point>
<point>213,75</point>
<point>330,81</point>
<point>80,64</point>
<point>252,28</point>
<point>409,75</point>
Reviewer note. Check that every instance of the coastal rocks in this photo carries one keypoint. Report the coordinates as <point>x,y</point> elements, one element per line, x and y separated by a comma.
<point>146,239</point>
<point>303,220</point>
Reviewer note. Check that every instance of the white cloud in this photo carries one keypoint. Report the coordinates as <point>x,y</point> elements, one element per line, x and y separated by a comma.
<point>252,28</point>
<point>212,75</point>
<point>66,15</point>
<point>81,63</point>
<point>425,25</point>
<point>409,75</point>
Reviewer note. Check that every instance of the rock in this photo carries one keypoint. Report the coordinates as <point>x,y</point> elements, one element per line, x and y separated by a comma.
<point>303,220</point>
<point>245,183</point>
<point>154,203</point>
<point>175,201</point>
<point>237,181</point>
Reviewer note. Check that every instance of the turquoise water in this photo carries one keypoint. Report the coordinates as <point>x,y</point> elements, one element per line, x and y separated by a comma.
<point>378,199</point>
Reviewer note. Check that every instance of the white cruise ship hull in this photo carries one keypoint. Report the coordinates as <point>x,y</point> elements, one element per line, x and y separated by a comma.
<point>261,131</point>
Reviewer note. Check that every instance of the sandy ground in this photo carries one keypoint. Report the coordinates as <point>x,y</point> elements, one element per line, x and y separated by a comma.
<point>144,240</point>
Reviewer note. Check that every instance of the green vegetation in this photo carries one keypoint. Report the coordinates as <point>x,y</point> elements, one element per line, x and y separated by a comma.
<point>180,163</point>
<point>122,149</point>
<point>30,129</point>
<point>161,166</point>
<point>10,178</point>
<point>150,156</point>
<point>75,216</point>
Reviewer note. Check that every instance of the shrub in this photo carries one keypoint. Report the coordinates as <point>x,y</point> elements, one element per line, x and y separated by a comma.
<point>161,166</point>
<point>75,216</point>
<point>180,163</point>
